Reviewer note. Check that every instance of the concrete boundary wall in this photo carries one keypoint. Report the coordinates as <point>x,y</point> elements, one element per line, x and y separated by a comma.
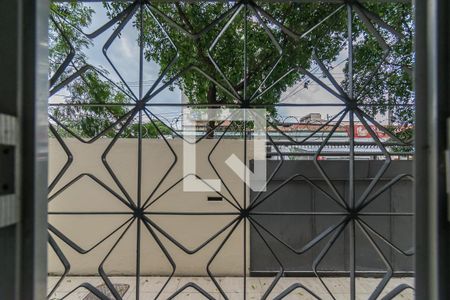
<point>87,195</point>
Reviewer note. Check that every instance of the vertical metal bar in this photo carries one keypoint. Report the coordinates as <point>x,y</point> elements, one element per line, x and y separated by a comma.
<point>422,247</point>
<point>433,143</point>
<point>245,258</point>
<point>350,49</point>
<point>440,95</point>
<point>139,183</point>
<point>141,49</point>
<point>245,204</point>
<point>33,51</point>
<point>352,246</point>
<point>246,102</point>
<point>352,252</point>
<point>352,239</point>
<point>351,169</point>
<point>138,207</point>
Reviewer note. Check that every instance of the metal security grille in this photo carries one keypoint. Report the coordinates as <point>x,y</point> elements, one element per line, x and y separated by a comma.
<point>99,104</point>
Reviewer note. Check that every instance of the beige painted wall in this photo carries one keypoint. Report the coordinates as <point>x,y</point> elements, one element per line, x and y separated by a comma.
<point>85,195</point>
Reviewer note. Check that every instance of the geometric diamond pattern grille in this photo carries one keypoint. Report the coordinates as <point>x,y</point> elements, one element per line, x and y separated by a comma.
<point>103,92</point>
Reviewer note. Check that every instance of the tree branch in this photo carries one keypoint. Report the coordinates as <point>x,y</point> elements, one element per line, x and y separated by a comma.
<point>183,16</point>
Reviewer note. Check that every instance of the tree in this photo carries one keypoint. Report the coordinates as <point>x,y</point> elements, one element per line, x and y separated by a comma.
<point>392,83</point>
<point>228,56</point>
<point>224,74</point>
<point>66,44</point>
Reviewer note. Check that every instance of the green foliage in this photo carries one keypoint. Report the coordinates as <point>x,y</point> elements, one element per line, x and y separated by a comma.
<point>391,84</point>
<point>245,75</point>
<point>91,86</point>
<point>229,52</point>
<point>63,16</point>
